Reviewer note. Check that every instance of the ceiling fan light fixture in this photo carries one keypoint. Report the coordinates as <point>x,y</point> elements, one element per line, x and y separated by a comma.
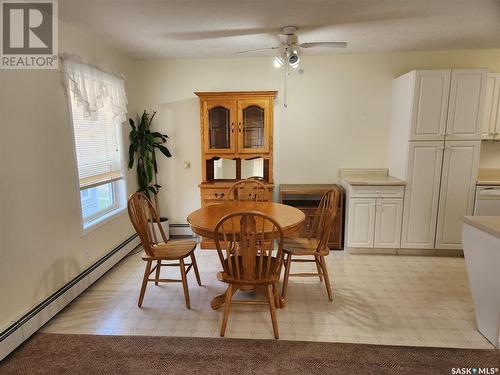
<point>278,62</point>
<point>293,58</point>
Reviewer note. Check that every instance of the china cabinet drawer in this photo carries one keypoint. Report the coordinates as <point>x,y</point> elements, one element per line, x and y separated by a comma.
<point>214,194</point>
<point>377,192</point>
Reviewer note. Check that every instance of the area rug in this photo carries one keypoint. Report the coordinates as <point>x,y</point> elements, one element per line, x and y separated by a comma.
<point>90,354</point>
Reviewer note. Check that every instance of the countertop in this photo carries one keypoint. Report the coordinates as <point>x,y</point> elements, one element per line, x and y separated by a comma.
<point>488,176</point>
<point>488,224</point>
<point>369,177</point>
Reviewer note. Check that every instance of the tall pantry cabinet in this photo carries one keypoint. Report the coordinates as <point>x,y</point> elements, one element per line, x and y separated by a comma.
<point>436,127</point>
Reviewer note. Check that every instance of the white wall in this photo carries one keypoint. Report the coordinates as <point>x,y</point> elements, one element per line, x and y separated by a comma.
<point>337,116</point>
<point>41,243</point>
<point>490,155</point>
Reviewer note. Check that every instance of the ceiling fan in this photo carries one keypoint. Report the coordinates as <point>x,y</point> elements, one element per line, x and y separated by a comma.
<point>288,55</point>
<point>289,47</point>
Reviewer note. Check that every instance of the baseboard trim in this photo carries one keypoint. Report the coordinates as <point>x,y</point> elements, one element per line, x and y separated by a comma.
<point>24,327</point>
<point>421,252</point>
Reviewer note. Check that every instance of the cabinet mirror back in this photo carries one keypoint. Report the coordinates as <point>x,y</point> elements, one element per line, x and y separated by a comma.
<point>234,169</point>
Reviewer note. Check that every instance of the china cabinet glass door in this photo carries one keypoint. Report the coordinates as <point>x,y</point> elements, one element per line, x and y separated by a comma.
<point>219,127</point>
<point>253,125</point>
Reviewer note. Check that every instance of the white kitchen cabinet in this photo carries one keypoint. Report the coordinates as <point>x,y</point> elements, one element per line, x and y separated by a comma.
<point>422,194</point>
<point>438,162</point>
<point>361,222</point>
<point>430,104</point>
<point>374,215</point>
<point>465,110</point>
<point>458,184</point>
<point>388,223</point>
<point>491,114</point>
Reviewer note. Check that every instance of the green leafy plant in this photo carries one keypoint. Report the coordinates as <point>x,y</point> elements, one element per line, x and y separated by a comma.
<point>143,146</point>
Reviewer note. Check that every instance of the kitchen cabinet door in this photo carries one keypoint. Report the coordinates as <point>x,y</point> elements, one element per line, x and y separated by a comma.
<point>492,98</point>
<point>495,123</point>
<point>361,222</point>
<point>430,104</point>
<point>460,164</point>
<point>422,195</point>
<point>388,219</point>
<point>465,111</point>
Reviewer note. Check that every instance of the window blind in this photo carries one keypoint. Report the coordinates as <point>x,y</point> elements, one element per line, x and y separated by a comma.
<point>97,148</point>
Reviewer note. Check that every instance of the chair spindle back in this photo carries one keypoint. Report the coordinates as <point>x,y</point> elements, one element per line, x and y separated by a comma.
<point>248,190</point>
<point>144,218</point>
<point>323,218</point>
<point>245,244</point>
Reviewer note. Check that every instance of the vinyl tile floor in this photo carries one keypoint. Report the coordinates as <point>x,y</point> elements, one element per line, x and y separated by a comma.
<point>378,299</point>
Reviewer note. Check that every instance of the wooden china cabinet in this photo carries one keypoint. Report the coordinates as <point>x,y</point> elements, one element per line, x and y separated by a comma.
<point>236,142</point>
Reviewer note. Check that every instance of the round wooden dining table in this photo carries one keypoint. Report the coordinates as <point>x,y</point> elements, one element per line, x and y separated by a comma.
<point>204,220</point>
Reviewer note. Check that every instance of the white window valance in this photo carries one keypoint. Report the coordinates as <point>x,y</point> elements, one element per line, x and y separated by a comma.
<point>92,88</point>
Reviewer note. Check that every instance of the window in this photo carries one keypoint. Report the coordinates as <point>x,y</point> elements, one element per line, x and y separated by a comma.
<point>97,201</point>
<point>98,105</point>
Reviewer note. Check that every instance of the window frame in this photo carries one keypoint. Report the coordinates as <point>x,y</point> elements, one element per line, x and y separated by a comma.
<point>114,206</point>
<point>119,185</point>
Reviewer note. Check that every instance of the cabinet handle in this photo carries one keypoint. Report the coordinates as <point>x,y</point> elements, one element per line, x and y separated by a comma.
<point>232,127</point>
<point>239,127</point>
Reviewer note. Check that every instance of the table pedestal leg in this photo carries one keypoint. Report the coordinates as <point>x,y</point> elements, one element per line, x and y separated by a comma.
<point>218,301</point>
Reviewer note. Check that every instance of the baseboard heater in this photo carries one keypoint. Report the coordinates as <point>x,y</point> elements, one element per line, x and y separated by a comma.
<point>181,230</point>
<point>28,324</point>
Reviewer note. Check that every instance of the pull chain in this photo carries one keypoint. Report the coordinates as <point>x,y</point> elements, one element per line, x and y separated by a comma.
<point>285,88</point>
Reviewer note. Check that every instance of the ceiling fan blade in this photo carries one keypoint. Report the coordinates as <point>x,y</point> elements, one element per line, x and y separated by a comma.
<point>213,34</point>
<point>258,49</point>
<point>323,44</point>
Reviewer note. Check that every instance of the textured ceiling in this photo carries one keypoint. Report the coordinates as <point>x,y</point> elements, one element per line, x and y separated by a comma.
<point>221,28</point>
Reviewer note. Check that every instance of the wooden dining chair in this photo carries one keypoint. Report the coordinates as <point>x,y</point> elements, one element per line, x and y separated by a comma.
<point>313,247</point>
<point>144,218</point>
<point>248,190</point>
<point>245,265</point>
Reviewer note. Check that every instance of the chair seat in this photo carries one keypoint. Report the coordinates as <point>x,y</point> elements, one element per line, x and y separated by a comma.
<point>273,276</point>
<point>303,246</point>
<point>171,250</point>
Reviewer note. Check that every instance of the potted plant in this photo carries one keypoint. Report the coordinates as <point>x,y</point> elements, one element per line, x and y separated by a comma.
<point>143,146</point>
